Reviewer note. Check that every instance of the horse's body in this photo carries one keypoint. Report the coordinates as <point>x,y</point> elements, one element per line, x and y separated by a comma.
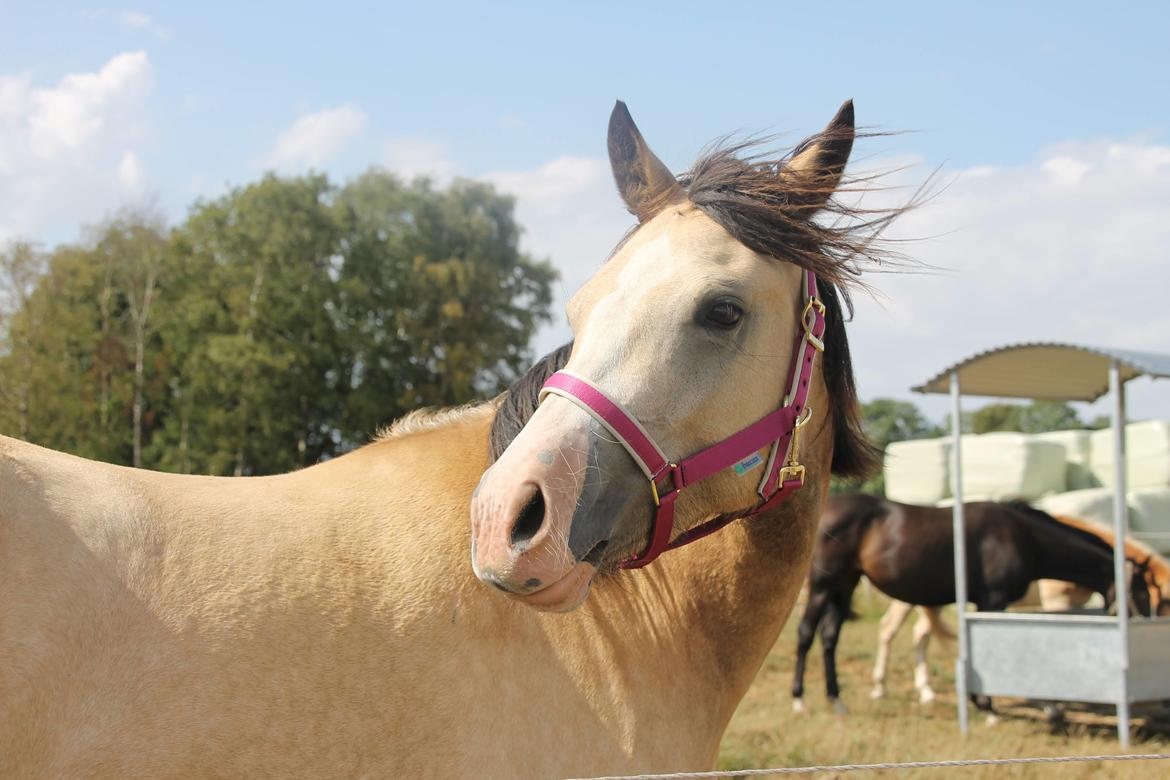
<point>317,624</point>
<point>1048,595</point>
<point>907,552</point>
<point>344,621</point>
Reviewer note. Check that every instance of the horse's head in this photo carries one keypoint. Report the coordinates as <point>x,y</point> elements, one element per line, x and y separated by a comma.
<point>691,327</point>
<point>1157,574</point>
<point>1151,571</point>
<point>1140,600</point>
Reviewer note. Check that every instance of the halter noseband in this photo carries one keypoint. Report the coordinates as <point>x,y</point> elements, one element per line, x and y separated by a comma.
<point>780,429</point>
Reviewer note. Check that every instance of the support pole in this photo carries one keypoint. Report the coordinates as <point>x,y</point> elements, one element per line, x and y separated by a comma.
<point>1120,532</point>
<point>960,537</point>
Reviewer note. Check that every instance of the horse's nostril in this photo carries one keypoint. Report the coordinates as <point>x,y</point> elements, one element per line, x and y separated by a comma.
<point>530,520</point>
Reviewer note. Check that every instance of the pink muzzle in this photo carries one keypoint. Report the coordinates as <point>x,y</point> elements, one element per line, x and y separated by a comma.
<point>783,475</point>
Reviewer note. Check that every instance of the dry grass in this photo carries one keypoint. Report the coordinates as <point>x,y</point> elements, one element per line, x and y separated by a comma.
<point>766,733</point>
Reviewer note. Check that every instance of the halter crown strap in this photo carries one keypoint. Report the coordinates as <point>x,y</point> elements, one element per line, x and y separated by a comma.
<point>783,474</point>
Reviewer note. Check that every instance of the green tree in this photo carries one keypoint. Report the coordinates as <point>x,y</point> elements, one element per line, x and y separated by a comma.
<point>280,324</point>
<point>22,266</point>
<point>78,334</point>
<point>1036,417</point>
<point>438,302</point>
<point>254,347</point>
<point>132,250</point>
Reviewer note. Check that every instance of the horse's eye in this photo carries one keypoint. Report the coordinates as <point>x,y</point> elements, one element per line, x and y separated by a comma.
<point>724,314</point>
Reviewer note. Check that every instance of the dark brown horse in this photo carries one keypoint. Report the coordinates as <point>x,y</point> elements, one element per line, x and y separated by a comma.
<point>907,552</point>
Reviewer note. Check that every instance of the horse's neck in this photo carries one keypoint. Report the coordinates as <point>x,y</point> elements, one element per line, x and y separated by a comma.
<point>1065,555</point>
<point>720,603</point>
<point>685,635</point>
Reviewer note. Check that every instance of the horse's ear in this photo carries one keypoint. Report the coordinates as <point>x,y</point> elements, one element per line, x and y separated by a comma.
<point>815,168</point>
<point>645,183</point>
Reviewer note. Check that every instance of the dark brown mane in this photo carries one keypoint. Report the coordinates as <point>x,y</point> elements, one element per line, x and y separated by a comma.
<point>519,401</point>
<point>748,194</point>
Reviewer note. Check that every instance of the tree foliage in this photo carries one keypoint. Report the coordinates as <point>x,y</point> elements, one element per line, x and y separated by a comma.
<point>1036,417</point>
<point>280,324</point>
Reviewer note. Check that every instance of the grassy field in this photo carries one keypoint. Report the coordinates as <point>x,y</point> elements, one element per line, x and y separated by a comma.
<point>766,733</point>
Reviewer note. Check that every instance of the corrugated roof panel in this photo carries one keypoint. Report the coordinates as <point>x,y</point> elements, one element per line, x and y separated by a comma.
<point>1046,370</point>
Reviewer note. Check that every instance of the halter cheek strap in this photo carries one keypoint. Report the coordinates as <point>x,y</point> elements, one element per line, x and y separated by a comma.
<point>783,474</point>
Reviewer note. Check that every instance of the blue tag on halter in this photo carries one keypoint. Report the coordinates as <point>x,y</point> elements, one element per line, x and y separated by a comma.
<point>748,463</point>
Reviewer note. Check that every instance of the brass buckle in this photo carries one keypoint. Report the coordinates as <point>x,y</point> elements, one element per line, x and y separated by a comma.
<point>790,472</point>
<point>813,303</point>
<point>792,469</point>
<point>671,469</point>
<point>807,322</point>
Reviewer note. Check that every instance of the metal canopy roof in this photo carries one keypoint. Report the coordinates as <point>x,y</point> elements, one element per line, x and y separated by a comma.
<point>1046,370</point>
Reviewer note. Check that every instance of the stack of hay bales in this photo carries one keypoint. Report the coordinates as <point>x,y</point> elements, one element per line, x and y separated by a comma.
<point>918,471</point>
<point>999,466</point>
<point>1063,472</point>
<point>1005,466</point>
<point>1147,455</point>
<point>1078,474</point>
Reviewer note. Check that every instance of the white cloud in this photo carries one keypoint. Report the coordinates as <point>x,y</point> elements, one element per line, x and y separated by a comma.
<point>572,215</point>
<point>62,145</point>
<point>136,20</point>
<point>65,118</point>
<point>1072,247</point>
<point>314,138</point>
<point>130,173</point>
<point>1066,170</point>
<point>554,185</point>
<point>411,156</point>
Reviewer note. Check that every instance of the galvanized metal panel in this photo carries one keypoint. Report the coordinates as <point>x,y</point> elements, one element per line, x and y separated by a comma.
<point>1149,660</point>
<point>1067,657</point>
<point>1064,658</point>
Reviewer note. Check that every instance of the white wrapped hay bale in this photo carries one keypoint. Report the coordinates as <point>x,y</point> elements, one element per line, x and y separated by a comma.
<point>918,471</point>
<point>1002,466</point>
<point>1150,520</point>
<point>1147,446</point>
<point>1094,504</point>
<point>1077,473</point>
<point>967,499</point>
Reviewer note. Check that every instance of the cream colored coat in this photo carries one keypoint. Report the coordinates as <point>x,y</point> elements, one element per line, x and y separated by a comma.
<point>326,623</point>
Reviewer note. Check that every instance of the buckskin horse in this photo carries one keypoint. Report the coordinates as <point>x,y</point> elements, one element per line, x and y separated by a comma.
<point>907,552</point>
<point>327,623</point>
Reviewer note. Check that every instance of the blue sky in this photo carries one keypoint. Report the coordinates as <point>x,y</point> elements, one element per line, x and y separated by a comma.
<point>1050,122</point>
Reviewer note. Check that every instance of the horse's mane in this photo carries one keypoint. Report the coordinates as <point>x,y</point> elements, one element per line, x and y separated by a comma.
<point>1023,507</point>
<point>746,193</point>
<point>1159,567</point>
<point>519,401</point>
<point>742,186</point>
<point>428,418</point>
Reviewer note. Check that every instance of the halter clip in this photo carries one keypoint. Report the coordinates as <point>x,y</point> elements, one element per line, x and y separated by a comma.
<point>792,469</point>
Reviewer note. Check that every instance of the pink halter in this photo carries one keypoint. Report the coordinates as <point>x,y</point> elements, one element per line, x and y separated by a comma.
<point>782,476</point>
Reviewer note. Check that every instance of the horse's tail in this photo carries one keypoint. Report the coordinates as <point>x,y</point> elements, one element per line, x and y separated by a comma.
<point>938,626</point>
